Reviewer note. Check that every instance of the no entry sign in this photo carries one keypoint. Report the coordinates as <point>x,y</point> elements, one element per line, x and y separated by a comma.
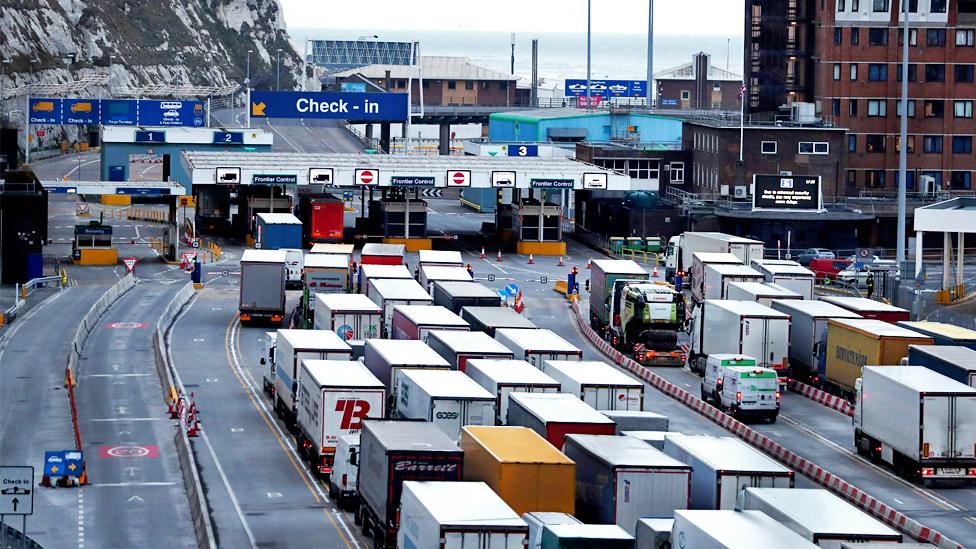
<point>459,178</point>
<point>366,176</point>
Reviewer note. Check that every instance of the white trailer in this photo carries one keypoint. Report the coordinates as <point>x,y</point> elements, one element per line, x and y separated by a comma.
<point>701,259</point>
<point>442,273</point>
<point>501,377</point>
<point>740,328</point>
<point>934,437</point>
<point>440,257</point>
<point>654,533</point>
<point>537,344</point>
<point>625,479</point>
<point>417,321</point>
<point>654,438</point>
<point>334,397</point>
<point>457,515</point>
<point>268,360</point>
<point>817,515</point>
<point>327,274</point>
<point>681,249</point>
<point>294,264</point>
<point>722,466</point>
<point>449,399</point>
<point>385,358</point>
<point>715,282</point>
<point>353,317</point>
<point>808,331</point>
<point>792,277</point>
<point>369,273</point>
<point>597,383</point>
<point>294,346</point>
<point>388,293</point>
<point>733,530</point>
<point>459,348</point>
<point>628,420</point>
<point>761,292</point>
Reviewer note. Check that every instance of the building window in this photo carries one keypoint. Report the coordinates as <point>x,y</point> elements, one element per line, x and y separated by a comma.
<point>938,6</point>
<point>768,147</point>
<point>877,107</point>
<point>878,36</point>
<point>836,71</point>
<point>912,6</point>
<point>935,37</point>
<point>677,172</point>
<point>851,178</point>
<point>964,73</point>
<point>962,109</point>
<point>966,6</point>
<point>855,5</point>
<point>451,85</point>
<point>934,72</point>
<point>874,143</point>
<point>932,144</point>
<point>851,143</point>
<point>911,108</point>
<point>814,147</point>
<point>852,107</point>
<point>853,71</point>
<point>912,72</point>
<point>468,85</point>
<point>878,72</point>
<point>840,5</point>
<point>911,144</point>
<point>965,37</point>
<point>936,179</point>
<point>912,37</point>
<point>855,36</point>
<point>879,5</point>
<point>909,181</point>
<point>962,144</point>
<point>934,109</point>
<point>685,95</point>
<point>874,179</point>
<point>838,36</point>
<point>402,84</point>
<point>503,85</point>
<point>835,107</point>
<point>960,181</point>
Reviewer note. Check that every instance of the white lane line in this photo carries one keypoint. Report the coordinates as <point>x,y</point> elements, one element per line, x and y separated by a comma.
<point>83,164</point>
<point>125,484</point>
<point>113,419</point>
<point>116,375</point>
<point>282,135</point>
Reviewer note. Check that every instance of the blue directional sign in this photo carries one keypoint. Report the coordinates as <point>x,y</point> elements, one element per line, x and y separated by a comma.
<point>171,112</point>
<point>141,191</point>
<point>512,289</point>
<point>80,111</point>
<point>230,138</point>
<point>63,463</point>
<point>373,107</point>
<point>150,136</point>
<point>523,150</point>
<point>120,112</point>
<point>606,88</point>
<point>45,111</point>
<point>117,112</point>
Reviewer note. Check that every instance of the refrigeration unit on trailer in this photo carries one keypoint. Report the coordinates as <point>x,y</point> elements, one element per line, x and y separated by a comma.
<point>262,294</point>
<point>277,231</point>
<point>457,295</point>
<point>448,399</point>
<point>440,257</point>
<point>572,536</point>
<point>429,274</point>
<point>632,420</point>
<point>808,331</point>
<point>817,515</point>
<point>294,346</point>
<point>386,358</point>
<point>334,397</point>
<point>934,436</point>
<point>527,472</point>
<point>717,278</point>
<point>722,466</point>
<point>625,479</point>
<point>344,479</point>
<point>796,278</point>
<point>327,274</point>
<point>269,362</point>
<point>708,529</point>
<point>417,321</point>
<point>556,415</point>
<point>942,333</point>
<point>368,273</point>
<point>868,308</point>
<point>501,377</point>
<point>460,347</point>
<point>489,319</point>
<point>597,383</point>
<point>536,345</point>
<point>382,254</point>
<point>388,293</point>
<point>761,292</point>
<point>958,363</point>
<point>391,452</point>
<point>353,317</point>
<point>457,515</point>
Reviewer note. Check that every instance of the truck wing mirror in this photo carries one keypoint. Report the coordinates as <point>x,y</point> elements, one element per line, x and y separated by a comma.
<point>263,361</point>
<point>353,457</point>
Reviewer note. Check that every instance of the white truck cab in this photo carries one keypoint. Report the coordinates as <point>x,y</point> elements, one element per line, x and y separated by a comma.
<point>671,257</point>
<point>735,383</point>
<point>294,264</point>
<point>268,360</point>
<point>343,487</point>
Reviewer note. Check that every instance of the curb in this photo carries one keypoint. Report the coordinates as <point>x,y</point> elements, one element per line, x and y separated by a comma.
<point>821,476</point>
<point>833,402</point>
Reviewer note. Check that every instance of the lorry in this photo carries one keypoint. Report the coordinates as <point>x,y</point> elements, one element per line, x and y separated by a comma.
<point>440,257</point>
<point>943,333</point>
<point>958,363</point>
<point>277,231</point>
<point>760,292</point>
<point>294,267</point>
<point>707,529</point>
<point>334,397</point>
<point>722,467</point>
<point>527,472</point>
<point>322,218</point>
<point>386,358</point>
<point>447,398</point>
<point>597,383</point>
<point>741,328</point>
<point>390,453</point>
<point>455,295</point>
<point>716,278</point>
<point>633,420</point>
<point>382,254</point>
<point>635,315</point>
<point>682,248</point>
<point>574,536</point>
<point>268,360</point>
<point>489,319</point>
<point>700,259</point>
<point>460,347</point>
<point>501,377</point>
<point>835,521</point>
<point>808,330</point>
<point>444,273</point>
<point>868,308</point>
<point>332,248</point>
<point>538,521</point>
<point>458,515</point>
<point>735,384</point>
<point>853,343</point>
<point>294,346</point>
<point>796,278</point>
<point>417,321</point>
<point>263,274</point>
<point>934,434</point>
<point>653,438</point>
<point>622,479</point>
<point>537,344</point>
<point>368,273</point>
<point>353,317</point>
<point>327,274</point>
<point>556,415</point>
<point>388,293</point>
<point>654,533</point>
<point>344,479</point>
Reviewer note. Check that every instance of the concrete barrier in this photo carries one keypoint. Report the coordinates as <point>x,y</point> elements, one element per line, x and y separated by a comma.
<point>798,463</point>
<point>90,320</point>
<point>822,397</point>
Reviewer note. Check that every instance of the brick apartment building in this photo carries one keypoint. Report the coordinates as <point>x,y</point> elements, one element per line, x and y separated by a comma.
<point>698,85</point>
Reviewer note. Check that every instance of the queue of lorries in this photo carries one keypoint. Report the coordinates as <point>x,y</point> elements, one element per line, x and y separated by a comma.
<point>443,419</point>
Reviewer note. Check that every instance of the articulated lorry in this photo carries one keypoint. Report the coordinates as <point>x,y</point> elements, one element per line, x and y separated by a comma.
<point>682,248</point>
<point>263,275</point>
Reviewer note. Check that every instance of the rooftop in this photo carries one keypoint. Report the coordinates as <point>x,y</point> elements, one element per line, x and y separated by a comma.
<point>432,67</point>
<point>687,72</point>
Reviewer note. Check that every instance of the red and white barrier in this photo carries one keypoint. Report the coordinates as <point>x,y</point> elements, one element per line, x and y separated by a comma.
<point>822,397</point>
<point>821,476</point>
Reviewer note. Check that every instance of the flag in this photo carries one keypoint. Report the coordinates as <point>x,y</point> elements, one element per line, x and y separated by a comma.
<point>742,90</point>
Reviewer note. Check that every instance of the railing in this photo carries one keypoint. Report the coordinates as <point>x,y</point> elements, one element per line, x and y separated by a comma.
<point>367,143</point>
<point>25,290</point>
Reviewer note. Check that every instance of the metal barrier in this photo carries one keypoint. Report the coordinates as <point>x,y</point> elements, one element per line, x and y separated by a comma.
<point>147,214</point>
<point>23,291</point>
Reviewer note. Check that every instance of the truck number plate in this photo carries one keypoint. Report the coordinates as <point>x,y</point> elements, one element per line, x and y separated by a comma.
<point>954,471</point>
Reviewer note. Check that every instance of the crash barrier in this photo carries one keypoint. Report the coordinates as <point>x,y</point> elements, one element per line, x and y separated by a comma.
<point>821,476</point>
<point>147,214</point>
<point>15,539</point>
<point>23,291</point>
<point>90,320</point>
<point>822,397</point>
<point>185,410</point>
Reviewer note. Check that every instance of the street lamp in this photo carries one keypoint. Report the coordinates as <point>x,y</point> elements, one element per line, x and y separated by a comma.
<point>903,153</point>
<point>247,87</point>
<point>278,69</point>
<point>247,77</point>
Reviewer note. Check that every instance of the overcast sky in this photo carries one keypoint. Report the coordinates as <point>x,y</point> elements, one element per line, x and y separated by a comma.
<point>717,17</point>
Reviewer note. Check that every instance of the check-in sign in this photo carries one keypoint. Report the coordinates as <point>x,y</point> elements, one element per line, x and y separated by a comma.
<point>373,107</point>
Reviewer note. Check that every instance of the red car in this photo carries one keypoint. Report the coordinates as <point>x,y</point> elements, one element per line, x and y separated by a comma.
<point>828,268</point>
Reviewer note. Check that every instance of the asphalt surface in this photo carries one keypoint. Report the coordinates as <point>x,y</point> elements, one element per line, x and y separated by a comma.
<point>297,135</point>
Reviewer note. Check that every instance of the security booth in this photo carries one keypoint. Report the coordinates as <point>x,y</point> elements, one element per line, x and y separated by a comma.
<point>399,218</point>
<point>92,245</point>
<point>537,227</point>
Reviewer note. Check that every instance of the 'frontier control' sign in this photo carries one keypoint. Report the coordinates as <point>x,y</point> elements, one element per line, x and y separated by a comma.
<point>786,192</point>
<point>373,107</point>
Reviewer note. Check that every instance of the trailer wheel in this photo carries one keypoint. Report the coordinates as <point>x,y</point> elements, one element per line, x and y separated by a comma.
<point>703,396</point>
<point>332,493</point>
<point>366,526</point>
<point>357,515</point>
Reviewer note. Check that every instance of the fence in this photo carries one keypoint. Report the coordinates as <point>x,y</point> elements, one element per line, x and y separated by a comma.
<point>23,291</point>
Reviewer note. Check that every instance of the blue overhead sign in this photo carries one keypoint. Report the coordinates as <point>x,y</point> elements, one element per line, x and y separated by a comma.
<point>80,111</point>
<point>230,138</point>
<point>45,111</point>
<point>117,112</point>
<point>120,112</point>
<point>170,112</point>
<point>606,88</point>
<point>374,107</point>
<point>523,150</point>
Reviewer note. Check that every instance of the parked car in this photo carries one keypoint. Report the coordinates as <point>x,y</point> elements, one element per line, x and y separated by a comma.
<point>828,268</point>
<point>806,256</point>
<point>856,274</point>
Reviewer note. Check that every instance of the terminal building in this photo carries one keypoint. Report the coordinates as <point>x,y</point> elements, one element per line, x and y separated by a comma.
<point>698,85</point>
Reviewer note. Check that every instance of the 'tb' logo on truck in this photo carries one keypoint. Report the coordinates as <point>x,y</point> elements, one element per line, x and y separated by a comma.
<point>353,413</point>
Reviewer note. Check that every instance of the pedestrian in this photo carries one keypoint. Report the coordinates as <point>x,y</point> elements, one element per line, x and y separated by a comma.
<point>870,284</point>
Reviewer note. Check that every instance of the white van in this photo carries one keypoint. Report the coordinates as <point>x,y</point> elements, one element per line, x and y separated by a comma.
<point>268,362</point>
<point>343,487</point>
<point>294,263</point>
<point>735,383</point>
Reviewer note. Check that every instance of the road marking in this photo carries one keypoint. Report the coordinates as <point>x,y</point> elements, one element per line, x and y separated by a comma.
<point>116,375</point>
<point>127,484</point>
<point>129,419</point>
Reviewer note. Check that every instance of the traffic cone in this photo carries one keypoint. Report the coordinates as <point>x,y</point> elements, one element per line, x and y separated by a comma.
<point>589,263</point>
<point>561,264</point>
<point>482,252</point>
<point>499,258</point>
<point>531,260</point>
<point>654,274</point>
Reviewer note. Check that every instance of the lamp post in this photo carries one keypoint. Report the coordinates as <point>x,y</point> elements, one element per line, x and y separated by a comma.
<point>589,20</point>
<point>278,69</point>
<point>247,87</point>
<point>903,152</point>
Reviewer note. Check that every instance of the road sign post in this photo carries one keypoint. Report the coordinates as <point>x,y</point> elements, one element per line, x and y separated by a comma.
<point>130,264</point>
<point>17,490</point>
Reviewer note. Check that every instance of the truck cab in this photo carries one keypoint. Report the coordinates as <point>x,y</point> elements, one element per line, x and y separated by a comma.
<point>267,361</point>
<point>650,315</point>
<point>738,385</point>
<point>345,472</point>
<point>671,258</point>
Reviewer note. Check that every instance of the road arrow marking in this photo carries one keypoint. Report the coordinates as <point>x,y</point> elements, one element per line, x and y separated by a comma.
<point>135,498</point>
